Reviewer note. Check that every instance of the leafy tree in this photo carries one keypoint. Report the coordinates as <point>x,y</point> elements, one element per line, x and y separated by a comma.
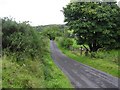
<point>52,31</point>
<point>94,23</point>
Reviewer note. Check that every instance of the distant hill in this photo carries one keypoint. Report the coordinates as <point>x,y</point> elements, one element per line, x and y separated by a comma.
<point>42,27</point>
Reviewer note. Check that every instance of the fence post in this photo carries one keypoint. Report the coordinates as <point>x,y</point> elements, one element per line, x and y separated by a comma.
<point>80,50</point>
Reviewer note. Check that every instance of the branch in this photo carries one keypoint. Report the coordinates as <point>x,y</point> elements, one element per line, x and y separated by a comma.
<point>86,48</point>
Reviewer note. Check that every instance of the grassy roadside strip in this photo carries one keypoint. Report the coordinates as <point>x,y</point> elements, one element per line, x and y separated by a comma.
<point>101,64</point>
<point>54,77</point>
<point>32,73</point>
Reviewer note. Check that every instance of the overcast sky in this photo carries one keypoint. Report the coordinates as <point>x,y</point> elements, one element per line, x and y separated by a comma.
<point>38,12</point>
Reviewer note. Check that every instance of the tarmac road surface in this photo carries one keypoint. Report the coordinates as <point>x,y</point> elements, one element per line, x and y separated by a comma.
<point>80,75</point>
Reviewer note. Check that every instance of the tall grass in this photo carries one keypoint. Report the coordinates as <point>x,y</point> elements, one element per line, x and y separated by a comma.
<point>32,73</point>
<point>28,75</point>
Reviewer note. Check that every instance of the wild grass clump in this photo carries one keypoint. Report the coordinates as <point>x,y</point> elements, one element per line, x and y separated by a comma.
<point>111,55</point>
<point>27,75</point>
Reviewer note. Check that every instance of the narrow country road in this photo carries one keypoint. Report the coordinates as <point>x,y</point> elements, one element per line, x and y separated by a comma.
<point>81,76</point>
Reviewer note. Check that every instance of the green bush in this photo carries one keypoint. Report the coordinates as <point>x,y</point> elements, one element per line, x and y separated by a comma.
<point>66,43</point>
<point>22,39</point>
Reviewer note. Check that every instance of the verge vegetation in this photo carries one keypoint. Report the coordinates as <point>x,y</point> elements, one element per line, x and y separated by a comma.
<point>26,60</point>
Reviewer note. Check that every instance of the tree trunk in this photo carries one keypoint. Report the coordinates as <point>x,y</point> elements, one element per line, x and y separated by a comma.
<point>94,47</point>
<point>86,52</point>
<point>81,50</point>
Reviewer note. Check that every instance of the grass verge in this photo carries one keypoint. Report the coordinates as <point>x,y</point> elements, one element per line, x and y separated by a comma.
<point>32,73</point>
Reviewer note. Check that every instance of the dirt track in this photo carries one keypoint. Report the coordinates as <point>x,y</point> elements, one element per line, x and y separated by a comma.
<point>80,75</point>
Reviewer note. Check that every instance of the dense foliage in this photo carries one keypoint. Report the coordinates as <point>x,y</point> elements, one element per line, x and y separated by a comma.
<point>66,42</point>
<point>52,31</point>
<point>22,39</point>
<point>96,24</point>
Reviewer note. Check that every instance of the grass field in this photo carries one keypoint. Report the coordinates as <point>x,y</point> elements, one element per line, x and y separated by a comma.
<point>106,61</point>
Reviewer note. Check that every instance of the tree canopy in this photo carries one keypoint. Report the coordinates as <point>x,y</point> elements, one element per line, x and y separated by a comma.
<point>96,24</point>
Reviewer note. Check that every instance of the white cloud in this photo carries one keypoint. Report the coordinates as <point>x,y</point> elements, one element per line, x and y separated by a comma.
<point>39,12</point>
